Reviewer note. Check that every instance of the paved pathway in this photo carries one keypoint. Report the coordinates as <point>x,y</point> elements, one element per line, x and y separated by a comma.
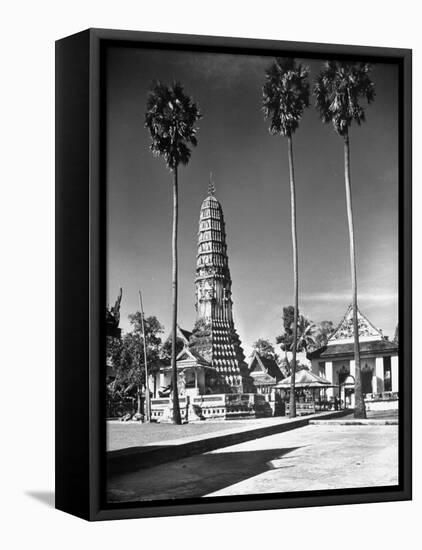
<point>309,458</point>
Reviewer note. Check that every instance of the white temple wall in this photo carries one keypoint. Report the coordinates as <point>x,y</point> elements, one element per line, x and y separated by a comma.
<point>200,380</point>
<point>165,380</point>
<point>395,373</point>
<point>329,377</point>
<point>379,375</point>
<point>331,370</point>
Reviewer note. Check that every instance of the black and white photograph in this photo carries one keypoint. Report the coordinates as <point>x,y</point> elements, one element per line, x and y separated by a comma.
<point>210,244</point>
<point>252,340</point>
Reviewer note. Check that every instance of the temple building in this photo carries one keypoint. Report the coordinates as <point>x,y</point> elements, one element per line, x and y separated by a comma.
<point>212,371</point>
<point>379,361</point>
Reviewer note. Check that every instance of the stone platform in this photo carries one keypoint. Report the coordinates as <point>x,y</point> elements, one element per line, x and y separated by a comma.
<point>224,406</point>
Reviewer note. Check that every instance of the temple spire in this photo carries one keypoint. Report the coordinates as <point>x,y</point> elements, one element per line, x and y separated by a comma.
<point>211,186</point>
<point>214,336</point>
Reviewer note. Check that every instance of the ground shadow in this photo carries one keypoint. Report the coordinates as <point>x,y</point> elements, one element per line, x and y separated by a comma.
<point>45,497</point>
<point>192,477</point>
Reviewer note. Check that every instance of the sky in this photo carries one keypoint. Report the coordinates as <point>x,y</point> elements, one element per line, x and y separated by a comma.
<point>250,171</point>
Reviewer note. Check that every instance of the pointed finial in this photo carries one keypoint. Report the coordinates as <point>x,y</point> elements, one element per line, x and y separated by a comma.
<point>211,186</point>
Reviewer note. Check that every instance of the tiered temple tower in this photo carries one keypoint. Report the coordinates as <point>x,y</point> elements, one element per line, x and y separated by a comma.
<point>214,335</point>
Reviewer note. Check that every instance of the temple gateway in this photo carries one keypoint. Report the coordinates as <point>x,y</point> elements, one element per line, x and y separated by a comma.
<point>212,371</point>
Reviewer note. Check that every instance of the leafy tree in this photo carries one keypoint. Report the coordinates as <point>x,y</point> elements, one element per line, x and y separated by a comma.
<point>265,349</point>
<point>286,338</point>
<point>285,97</point>
<point>323,331</point>
<point>339,89</point>
<point>113,346</point>
<point>171,118</point>
<point>153,328</point>
<point>128,359</point>
<point>113,390</point>
<point>305,332</point>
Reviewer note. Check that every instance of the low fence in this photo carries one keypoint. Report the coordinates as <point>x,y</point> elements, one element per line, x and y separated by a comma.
<point>386,401</point>
<point>307,407</point>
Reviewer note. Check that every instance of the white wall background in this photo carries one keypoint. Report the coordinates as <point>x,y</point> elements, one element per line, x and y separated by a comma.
<point>27,36</point>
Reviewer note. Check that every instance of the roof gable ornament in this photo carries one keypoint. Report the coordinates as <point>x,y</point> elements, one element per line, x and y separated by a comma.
<point>256,365</point>
<point>184,356</point>
<point>188,355</point>
<point>344,331</point>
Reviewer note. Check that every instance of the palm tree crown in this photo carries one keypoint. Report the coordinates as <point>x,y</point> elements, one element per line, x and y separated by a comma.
<point>170,117</point>
<point>338,89</point>
<point>285,95</point>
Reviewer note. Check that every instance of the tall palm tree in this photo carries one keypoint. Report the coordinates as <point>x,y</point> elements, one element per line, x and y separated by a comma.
<point>285,97</point>
<point>171,118</point>
<point>338,90</point>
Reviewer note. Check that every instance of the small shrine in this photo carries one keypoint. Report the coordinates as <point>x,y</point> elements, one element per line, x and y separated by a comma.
<point>265,373</point>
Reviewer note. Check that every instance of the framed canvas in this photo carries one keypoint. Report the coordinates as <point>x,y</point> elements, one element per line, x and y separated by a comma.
<point>233,276</point>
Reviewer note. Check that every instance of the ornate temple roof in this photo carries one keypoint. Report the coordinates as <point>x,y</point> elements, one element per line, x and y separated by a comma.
<point>181,334</point>
<point>186,359</point>
<point>341,342</point>
<point>377,347</point>
<point>304,379</point>
<point>344,331</point>
<point>264,370</point>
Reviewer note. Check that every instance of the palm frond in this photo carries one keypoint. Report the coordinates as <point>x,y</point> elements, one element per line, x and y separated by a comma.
<point>285,95</point>
<point>171,118</point>
<point>338,90</point>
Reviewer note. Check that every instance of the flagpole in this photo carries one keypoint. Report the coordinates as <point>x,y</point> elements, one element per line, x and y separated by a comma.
<point>147,395</point>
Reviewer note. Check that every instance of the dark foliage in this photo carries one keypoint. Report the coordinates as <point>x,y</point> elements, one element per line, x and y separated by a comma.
<point>165,352</point>
<point>338,90</point>
<point>265,349</point>
<point>171,117</point>
<point>127,358</point>
<point>285,95</point>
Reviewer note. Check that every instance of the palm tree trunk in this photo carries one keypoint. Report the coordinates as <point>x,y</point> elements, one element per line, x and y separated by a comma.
<point>147,406</point>
<point>138,400</point>
<point>176,409</point>
<point>359,401</point>
<point>292,413</point>
<point>287,360</point>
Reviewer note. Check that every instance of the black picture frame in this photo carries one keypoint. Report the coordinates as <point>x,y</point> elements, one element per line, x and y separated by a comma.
<point>80,274</point>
